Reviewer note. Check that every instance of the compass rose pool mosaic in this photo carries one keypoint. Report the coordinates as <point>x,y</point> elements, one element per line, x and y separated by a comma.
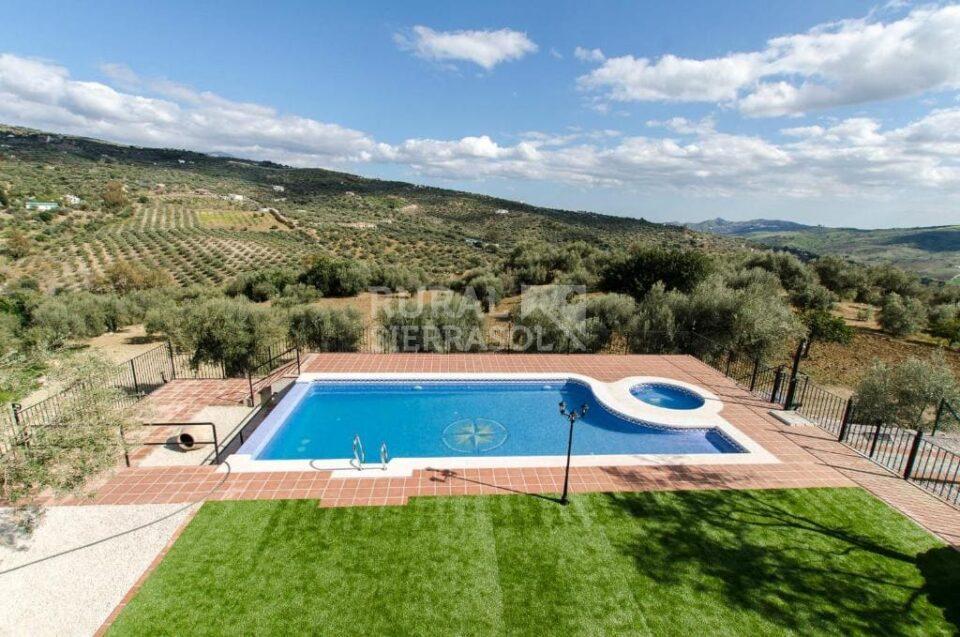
<point>484,420</point>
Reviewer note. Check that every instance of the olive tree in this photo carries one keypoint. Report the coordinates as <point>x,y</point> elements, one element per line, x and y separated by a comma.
<point>325,330</point>
<point>449,322</point>
<point>903,393</point>
<point>901,316</point>
<point>231,332</point>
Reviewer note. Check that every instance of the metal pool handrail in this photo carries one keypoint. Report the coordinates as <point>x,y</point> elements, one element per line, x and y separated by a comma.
<point>359,457</point>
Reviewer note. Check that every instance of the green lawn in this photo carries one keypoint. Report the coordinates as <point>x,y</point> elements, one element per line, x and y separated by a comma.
<point>828,561</point>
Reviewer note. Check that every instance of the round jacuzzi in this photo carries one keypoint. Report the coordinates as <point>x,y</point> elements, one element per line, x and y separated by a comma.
<point>667,396</point>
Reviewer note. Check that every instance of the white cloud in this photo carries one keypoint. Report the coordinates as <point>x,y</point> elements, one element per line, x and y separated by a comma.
<point>483,48</point>
<point>41,94</point>
<point>837,64</point>
<point>856,157</point>
<point>588,55</point>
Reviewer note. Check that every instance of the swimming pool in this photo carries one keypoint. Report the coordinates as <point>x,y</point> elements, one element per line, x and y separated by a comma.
<point>667,395</point>
<point>466,419</point>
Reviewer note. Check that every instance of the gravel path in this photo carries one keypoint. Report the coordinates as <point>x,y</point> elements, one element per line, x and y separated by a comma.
<point>74,592</point>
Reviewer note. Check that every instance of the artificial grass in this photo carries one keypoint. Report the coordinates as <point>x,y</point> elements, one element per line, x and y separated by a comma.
<point>804,561</point>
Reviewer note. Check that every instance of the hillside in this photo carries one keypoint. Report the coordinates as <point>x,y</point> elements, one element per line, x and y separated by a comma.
<point>932,252</point>
<point>204,219</point>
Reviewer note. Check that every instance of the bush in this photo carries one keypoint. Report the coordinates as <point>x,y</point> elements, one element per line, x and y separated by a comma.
<point>827,328</point>
<point>336,277</point>
<point>482,285</point>
<point>612,315</point>
<point>813,296</point>
<point>261,285</point>
<point>751,319</point>
<point>841,277</point>
<point>902,394</point>
<point>326,330</point>
<point>636,273</point>
<point>18,244</point>
<point>84,442</point>
<point>124,277</point>
<point>794,275</point>
<point>230,332</point>
<point>901,316</point>
<point>653,328</point>
<point>399,278</point>
<point>114,196</point>
<point>447,323</point>
<point>944,323</point>
<point>541,263</point>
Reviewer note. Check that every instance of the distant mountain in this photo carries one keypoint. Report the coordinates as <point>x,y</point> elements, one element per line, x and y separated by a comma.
<point>931,252</point>
<point>745,228</point>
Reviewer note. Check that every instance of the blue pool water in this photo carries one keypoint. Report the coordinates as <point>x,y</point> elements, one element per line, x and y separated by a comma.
<point>667,396</point>
<point>468,418</point>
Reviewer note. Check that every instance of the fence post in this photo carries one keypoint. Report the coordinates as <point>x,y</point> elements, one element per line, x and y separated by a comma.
<point>173,364</point>
<point>17,426</point>
<point>216,444</point>
<point>298,360</point>
<point>792,387</point>
<point>876,438</point>
<point>912,458</point>
<point>777,382</point>
<point>133,372</point>
<point>847,414</point>
<point>123,443</point>
<point>936,421</point>
<point>753,376</point>
<point>253,402</point>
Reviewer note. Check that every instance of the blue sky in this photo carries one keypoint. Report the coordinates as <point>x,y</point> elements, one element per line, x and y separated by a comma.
<point>681,110</point>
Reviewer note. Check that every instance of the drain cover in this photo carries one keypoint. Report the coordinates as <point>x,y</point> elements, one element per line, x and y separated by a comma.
<point>474,435</point>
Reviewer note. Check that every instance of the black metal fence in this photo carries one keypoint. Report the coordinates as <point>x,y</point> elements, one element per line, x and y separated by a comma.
<point>136,378</point>
<point>276,359</point>
<point>918,457</point>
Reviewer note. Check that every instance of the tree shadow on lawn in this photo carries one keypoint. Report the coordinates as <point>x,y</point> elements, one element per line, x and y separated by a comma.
<point>807,572</point>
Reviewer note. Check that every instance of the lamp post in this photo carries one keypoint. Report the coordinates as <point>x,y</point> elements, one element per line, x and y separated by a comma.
<point>571,416</point>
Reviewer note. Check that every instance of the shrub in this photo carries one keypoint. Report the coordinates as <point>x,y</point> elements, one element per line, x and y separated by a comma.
<point>825,327</point>
<point>447,323</point>
<point>839,276</point>
<point>124,277</point>
<point>901,316</point>
<point>813,296</point>
<point>18,244</point>
<point>612,314</point>
<point>653,328</point>
<point>336,277</point>
<point>399,278</point>
<point>751,319</point>
<point>637,272</point>
<point>261,285</point>
<point>230,332</point>
<point>540,263</point>
<point>482,285</point>
<point>83,442</point>
<point>326,330</point>
<point>114,196</point>
<point>902,394</point>
<point>794,275</point>
<point>890,279</point>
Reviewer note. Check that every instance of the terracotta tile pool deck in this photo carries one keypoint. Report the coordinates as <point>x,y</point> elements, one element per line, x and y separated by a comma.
<point>808,456</point>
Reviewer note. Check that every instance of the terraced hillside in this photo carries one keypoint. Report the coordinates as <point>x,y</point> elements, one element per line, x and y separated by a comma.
<point>204,219</point>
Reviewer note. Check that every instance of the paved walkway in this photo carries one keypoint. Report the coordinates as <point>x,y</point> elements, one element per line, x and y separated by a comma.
<point>809,457</point>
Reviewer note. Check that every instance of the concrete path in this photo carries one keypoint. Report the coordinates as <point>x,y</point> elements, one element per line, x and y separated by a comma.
<point>68,576</point>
